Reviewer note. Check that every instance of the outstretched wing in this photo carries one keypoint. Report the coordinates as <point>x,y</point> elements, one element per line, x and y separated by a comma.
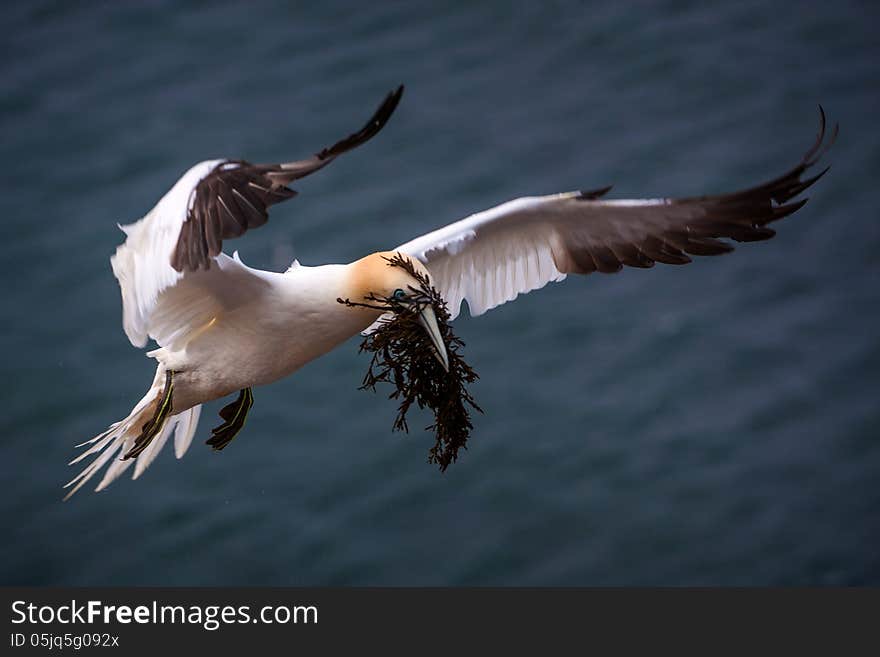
<point>491,257</point>
<point>235,195</point>
<point>214,201</point>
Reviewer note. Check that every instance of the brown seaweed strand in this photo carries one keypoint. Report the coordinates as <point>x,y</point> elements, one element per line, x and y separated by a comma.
<point>402,356</point>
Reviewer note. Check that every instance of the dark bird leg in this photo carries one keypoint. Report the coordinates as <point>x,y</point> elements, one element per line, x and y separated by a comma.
<point>152,428</point>
<point>234,416</point>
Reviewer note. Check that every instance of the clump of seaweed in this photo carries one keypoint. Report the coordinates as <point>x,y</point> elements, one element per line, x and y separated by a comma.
<point>403,355</point>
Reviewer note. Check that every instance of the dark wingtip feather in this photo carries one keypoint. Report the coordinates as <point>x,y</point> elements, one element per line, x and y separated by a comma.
<point>784,210</point>
<point>820,146</point>
<point>593,194</point>
<point>798,187</point>
<point>371,128</point>
<point>703,228</point>
<point>240,195</point>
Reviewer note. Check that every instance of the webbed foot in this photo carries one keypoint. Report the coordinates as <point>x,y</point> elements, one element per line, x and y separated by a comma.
<point>234,416</point>
<point>152,427</point>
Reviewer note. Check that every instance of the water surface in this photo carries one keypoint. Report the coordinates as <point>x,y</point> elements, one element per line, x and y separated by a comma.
<point>709,424</point>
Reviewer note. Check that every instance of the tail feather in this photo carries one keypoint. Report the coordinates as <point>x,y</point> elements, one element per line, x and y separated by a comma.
<point>93,467</point>
<point>98,437</point>
<point>185,431</point>
<point>113,471</point>
<point>105,438</point>
<point>119,438</point>
<point>149,454</point>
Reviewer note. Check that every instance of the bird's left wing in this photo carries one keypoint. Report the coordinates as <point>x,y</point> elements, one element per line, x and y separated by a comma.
<point>235,195</point>
<point>182,236</point>
<point>489,258</point>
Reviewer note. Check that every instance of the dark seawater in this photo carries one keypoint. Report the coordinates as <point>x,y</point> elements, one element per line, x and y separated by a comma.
<point>710,424</point>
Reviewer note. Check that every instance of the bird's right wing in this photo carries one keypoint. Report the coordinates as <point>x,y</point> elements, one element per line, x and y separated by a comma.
<point>489,258</point>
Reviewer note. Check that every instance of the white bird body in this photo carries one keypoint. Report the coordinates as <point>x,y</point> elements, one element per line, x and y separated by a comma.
<point>204,321</point>
<point>299,319</point>
<point>223,327</point>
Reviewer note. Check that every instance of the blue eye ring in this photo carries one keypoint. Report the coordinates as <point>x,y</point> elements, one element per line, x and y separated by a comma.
<point>399,295</point>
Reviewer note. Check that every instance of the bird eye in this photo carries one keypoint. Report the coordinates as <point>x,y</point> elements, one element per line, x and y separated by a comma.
<point>399,294</point>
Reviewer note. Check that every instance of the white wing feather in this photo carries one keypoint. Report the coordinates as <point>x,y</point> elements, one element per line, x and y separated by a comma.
<point>161,303</point>
<point>142,264</point>
<point>490,257</point>
<point>165,305</point>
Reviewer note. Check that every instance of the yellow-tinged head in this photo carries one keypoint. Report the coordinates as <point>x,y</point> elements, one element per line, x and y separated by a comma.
<point>374,277</point>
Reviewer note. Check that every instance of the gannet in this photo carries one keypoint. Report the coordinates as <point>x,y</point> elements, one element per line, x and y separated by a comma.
<point>222,327</point>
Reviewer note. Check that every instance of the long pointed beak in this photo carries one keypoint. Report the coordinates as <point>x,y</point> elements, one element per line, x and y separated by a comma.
<point>428,320</point>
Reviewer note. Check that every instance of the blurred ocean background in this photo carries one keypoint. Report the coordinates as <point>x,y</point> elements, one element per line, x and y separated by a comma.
<point>711,424</point>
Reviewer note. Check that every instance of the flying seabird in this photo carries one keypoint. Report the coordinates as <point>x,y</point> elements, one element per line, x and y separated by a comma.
<point>223,328</point>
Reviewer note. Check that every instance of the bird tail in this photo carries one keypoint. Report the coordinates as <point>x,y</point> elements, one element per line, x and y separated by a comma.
<point>119,438</point>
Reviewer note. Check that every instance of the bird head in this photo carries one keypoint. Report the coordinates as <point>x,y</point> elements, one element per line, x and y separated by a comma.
<point>392,288</point>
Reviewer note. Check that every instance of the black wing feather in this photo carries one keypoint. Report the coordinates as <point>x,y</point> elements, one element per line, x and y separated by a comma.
<point>695,225</point>
<point>235,197</point>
